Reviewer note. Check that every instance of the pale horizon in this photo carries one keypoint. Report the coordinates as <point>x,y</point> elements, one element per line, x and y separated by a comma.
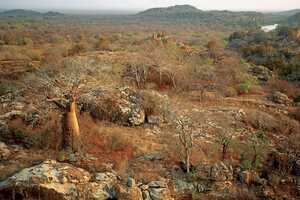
<point>139,5</point>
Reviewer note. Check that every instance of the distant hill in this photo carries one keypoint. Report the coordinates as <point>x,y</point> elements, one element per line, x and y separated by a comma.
<point>20,13</point>
<point>28,13</point>
<point>191,14</point>
<point>288,13</point>
<point>294,20</point>
<point>170,10</point>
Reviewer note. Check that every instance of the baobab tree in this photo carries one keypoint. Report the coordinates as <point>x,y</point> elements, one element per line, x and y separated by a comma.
<point>62,87</point>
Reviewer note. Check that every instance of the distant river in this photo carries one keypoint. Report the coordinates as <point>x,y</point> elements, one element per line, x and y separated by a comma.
<point>269,28</point>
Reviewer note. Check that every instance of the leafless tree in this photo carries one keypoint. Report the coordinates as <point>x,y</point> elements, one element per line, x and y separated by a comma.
<point>185,132</point>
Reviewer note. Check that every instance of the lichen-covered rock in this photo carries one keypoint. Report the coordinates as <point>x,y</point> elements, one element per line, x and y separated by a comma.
<point>52,180</point>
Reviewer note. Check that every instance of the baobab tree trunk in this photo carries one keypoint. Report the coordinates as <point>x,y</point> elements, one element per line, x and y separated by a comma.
<point>71,128</point>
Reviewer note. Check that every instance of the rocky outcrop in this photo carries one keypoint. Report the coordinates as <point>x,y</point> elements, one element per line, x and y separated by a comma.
<point>120,105</point>
<point>124,106</point>
<point>280,98</point>
<point>156,190</point>
<point>261,73</point>
<point>216,172</point>
<point>52,180</point>
<point>207,176</point>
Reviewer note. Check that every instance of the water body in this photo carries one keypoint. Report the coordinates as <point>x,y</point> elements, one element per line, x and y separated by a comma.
<point>269,28</point>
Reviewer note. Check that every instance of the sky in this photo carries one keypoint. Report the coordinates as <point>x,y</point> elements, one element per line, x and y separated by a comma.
<point>260,5</point>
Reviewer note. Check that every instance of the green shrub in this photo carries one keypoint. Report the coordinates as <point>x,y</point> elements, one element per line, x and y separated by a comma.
<point>244,87</point>
<point>297,99</point>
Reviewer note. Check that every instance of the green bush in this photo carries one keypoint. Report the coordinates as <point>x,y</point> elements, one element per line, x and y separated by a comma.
<point>297,99</point>
<point>244,87</point>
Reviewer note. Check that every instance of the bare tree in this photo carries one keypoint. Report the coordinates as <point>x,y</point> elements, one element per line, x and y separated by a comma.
<point>185,133</point>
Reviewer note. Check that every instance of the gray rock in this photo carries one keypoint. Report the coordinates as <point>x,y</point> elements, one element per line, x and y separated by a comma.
<point>182,186</point>
<point>157,184</point>
<point>221,172</point>
<point>152,119</point>
<point>131,182</point>
<point>117,105</point>
<point>217,172</point>
<point>159,193</point>
<point>151,157</point>
<point>59,180</point>
<point>146,195</point>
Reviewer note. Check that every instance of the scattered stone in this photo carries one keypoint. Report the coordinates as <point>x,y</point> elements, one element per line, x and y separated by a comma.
<point>280,98</point>
<point>217,172</point>
<point>131,182</point>
<point>151,157</point>
<point>155,120</point>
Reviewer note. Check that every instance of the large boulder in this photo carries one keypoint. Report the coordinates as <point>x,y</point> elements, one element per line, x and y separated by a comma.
<point>156,190</point>
<point>125,106</point>
<point>52,180</point>
<point>120,105</point>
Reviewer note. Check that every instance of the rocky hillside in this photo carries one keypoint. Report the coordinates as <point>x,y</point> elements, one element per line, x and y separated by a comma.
<point>127,112</point>
<point>294,20</point>
<point>191,14</point>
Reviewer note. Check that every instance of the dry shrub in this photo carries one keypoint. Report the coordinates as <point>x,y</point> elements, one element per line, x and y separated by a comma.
<point>54,56</point>
<point>154,103</point>
<point>263,121</point>
<point>283,86</point>
<point>77,48</point>
<point>102,44</point>
<point>122,166</point>
<point>121,150</point>
<point>116,142</point>
<point>266,122</point>
<point>230,92</point>
<point>12,53</point>
<point>34,55</point>
<point>296,114</point>
<point>140,75</point>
